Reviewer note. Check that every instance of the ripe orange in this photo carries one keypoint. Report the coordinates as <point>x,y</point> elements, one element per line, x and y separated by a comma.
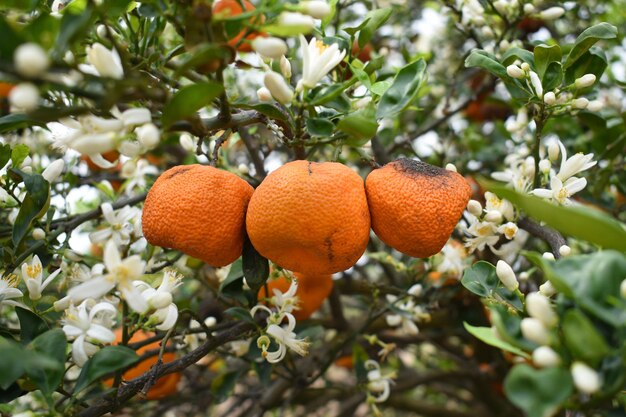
<point>312,291</point>
<point>233,8</point>
<point>198,210</point>
<point>5,89</point>
<point>164,386</point>
<point>415,206</point>
<point>310,217</point>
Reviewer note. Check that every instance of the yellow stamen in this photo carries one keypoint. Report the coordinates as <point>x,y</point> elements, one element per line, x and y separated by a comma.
<point>321,47</point>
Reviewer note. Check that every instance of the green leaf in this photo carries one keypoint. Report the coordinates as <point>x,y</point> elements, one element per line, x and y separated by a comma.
<point>583,339</point>
<point>239,313</point>
<point>404,89</point>
<point>223,385</point>
<point>380,87</point>
<point>51,344</point>
<point>189,100</point>
<point>588,38</point>
<point>360,125</point>
<point>34,205</point>
<point>486,61</point>
<point>580,222</point>
<point>480,278</point>
<point>319,127</point>
<point>544,55</point>
<point>255,267</point>
<point>486,335</point>
<point>538,393</point>
<point>5,154</point>
<point>10,40</point>
<point>16,360</point>
<point>267,109</point>
<point>375,19</point>
<point>74,24</point>
<point>553,76</point>
<point>31,325</point>
<point>515,53</point>
<point>593,281</point>
<point>591,62</point>
<point>18,154</point>
<point>106,361</point>
<point>285,31</point>
<point>204,54</point>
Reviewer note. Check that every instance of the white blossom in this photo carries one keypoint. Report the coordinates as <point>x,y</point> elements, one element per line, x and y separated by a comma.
<point>135,174</point>
<point>119,226</point>
<point>506,275</point>
<point>318,60</point>
<point>30,60</point>
<point>8,290</point>
<point>318,9</point>
<point>552,13</point>
<point>286,339</point>
<point>32,274</point>
<point>545,357</point>
<point>285,67</point>
<point>160,299</point>
<point>378,385</point>
<point>538,306</point>
<point>575,164</point>
<point>106,62</point>
<point>475,208</point>
<point>559,191</point>
<point>278,87</point>
<point>534,330</point>
<point>297,21</point>
<point>547,289</point>
<point>148,136</point>
<point>263,94</point>
<point>586,379</point>
<point>549,98</point>
<point>269,47</point>
<point>24,97</point>
<point>53,171</point>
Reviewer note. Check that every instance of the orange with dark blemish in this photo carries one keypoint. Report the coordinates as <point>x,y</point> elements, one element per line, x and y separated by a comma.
<point>310,217</point>
<point>198,210</point>
<point>415,206</point>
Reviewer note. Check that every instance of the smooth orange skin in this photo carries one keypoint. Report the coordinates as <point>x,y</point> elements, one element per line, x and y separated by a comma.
<point>198,210</point>
<point>233,8</point>
<point>415,206</point>
<point>164,386</point>
<point>312,291</point>
<point>310,217</point>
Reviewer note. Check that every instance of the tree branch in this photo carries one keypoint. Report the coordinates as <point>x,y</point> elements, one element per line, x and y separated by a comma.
<point>551,236</point>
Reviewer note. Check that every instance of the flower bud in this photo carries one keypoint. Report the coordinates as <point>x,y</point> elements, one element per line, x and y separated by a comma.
<point>493,216</point>
<point>533,330</point>
<point>285,67</point>
<point>536,83</point>
<point>299,21</point>
<point>105,61</point>
<point>128,169</point>
<point>416,290</point>
<point>475,208</point>
<point>514,71</point>
<point>129,148</point>
<point>451,167</point>
<point>552,13</point>
<point>62,304</point>
<point>545,357</point>
<point>264,94</point>
<point>148,135</point>
<point>524,276</point>
<point>278,87</point>
<point>30,60</point>
<point>565,250</point>
<point>52,171</point>
<point>547,289</point>
<point>553,151</point>
<point>161,300</point>
<point>501,6</point>
<point>95,143</point>
<point>586,379</point>
<point>243,169</point>
<point>548,256</point>
<point>136,116</point>
<point>393,320</point>
<point>316,9</point>
<point>270,47</point>
<point>506,275</point>
<point>595,105</point>
<point>38,234</point>
<point>580,103</point>
<point>549,98</point>
<point>102,32</point>
<point>529,8</point>
<point>24,97</point>
<point>538,306</point>
<point>187,142</point>
<point>525,66</point>
<point>586,80</point>
<point>622,289</point>
<point>544,166</point>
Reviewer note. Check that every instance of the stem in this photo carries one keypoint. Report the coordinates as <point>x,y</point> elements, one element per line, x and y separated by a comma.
<point>540,120</point>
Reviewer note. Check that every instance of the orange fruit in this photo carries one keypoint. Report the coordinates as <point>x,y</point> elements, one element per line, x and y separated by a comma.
<point>109,156</point>
<point>198,210</point>
<point>310,217</point>
<point>345,361</point>
<point>233,8</point>
<point>5,89</point>
<point>312,291</point>
<point>415,206</point>
<point>164,386</point>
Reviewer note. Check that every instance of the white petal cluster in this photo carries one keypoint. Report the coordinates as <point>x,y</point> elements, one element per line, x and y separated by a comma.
<point>9,290</point>
<point>32,274</point>
<point>406,312</point>
<point>378,385</point>
<point>119,225</point>
<point>318,60</point>
<point>160,300</point>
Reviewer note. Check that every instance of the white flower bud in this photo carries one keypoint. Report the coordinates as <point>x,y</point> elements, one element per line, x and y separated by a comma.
<point>105,61</point>
<point>264,94</point>
<point>148,135</point>
<point>128,169</point>
<point>487,32</point>
<point>586,379</point>
<point>553,151</point>
<point>316,9</point>
<point>538,306</point>
<point>129,148</point>
<point>62,304</point>
<point>24,97</point>
<point>595,105</point>
<point>52,171</point>
<point>586,80</point>
<point>38,234</point>
<point>549,98</point>
<point>393,320</point>
<point>547,289</point>
<point>28,169</point>
<point>415,290</point>
<point>270,47</point>
<point>548,256</point>
<point>515,72</point>
<point>102,32</point>
<point>535,331</point>
<point>506,275</point>
<point>136,116</point>
<point>243,169</point>
<point>565,250</point>
<point>525,66</point>
<point>536,83</point>
<point>622,289</point>
<point>31,60</point>
<point>475,208</point>
<point>299,21</point>
<point>544,166</point>
<point>493,216</point>
<point>187,142</point>
<point>278,87</point>
<point>95,143</point>
<point>161,300</point>
<point>504,45</point>
<point>529,8</point>
<point>451,167</point>
<point>285,67</point>
<point>501,6</point>
<point>363,102</point>
<point>523,276</point>
<point>552,13</point>
<point>545,357</point>
<point>580,103</point>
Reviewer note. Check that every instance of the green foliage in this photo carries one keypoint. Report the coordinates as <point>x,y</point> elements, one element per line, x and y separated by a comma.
<point>487,335</point>
<point>538,392</point>
<point>481,279</point>
<point>587,39</point>
<point>106,361</point>
<point>395,99</point>
<point>34,205</point>
<point>189,100</point>
<point>255,267</point>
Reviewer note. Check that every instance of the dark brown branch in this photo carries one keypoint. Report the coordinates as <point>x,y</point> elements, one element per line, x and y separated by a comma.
<point>551,236</point>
